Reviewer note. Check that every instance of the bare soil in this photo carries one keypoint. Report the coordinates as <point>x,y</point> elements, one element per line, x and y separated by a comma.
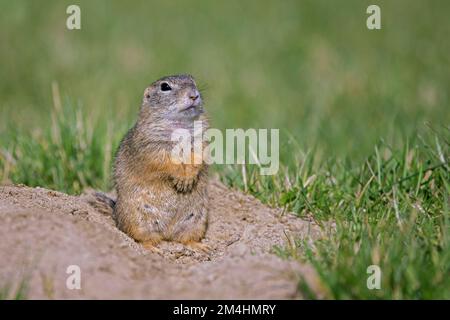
<point>42,232</point>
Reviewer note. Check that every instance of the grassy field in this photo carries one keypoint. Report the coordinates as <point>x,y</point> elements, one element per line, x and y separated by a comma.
<point>364,116</point>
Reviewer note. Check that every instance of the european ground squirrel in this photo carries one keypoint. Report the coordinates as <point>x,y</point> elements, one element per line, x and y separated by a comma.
<point>158,199</point>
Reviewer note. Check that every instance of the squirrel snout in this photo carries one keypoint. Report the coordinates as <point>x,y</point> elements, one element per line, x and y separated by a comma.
<point>194,95</point>
<point>191,100</point>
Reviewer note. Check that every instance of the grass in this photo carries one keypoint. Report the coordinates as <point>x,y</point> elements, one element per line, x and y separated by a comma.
<point>363,115</point>
<point>391,210</point>
<point>17,292</point>
<point>69,155</point>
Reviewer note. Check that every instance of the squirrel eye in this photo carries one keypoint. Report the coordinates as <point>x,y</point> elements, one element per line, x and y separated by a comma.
<point>165,87</point>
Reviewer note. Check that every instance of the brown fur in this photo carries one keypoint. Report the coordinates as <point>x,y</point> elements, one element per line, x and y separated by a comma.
<point>156,198</point>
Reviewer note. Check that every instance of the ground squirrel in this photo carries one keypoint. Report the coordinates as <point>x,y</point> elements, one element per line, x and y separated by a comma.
<point>158,199</point>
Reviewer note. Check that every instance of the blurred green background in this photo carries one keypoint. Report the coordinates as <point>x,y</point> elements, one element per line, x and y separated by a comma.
<point>364,116</point>
<point>311,68</point>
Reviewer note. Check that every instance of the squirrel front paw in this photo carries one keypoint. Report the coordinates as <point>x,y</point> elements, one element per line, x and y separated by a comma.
<point>184,185</point>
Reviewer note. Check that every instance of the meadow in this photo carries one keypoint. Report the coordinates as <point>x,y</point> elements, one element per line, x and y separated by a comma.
<point>364,115</point>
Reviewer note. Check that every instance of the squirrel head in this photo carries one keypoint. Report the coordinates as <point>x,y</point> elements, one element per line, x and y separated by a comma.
<point>173,98</point>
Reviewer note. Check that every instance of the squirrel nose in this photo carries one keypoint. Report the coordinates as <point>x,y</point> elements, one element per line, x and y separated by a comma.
<point>194,95</point>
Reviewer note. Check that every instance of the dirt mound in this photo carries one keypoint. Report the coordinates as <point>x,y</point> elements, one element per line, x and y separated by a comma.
<point>43,232</point>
